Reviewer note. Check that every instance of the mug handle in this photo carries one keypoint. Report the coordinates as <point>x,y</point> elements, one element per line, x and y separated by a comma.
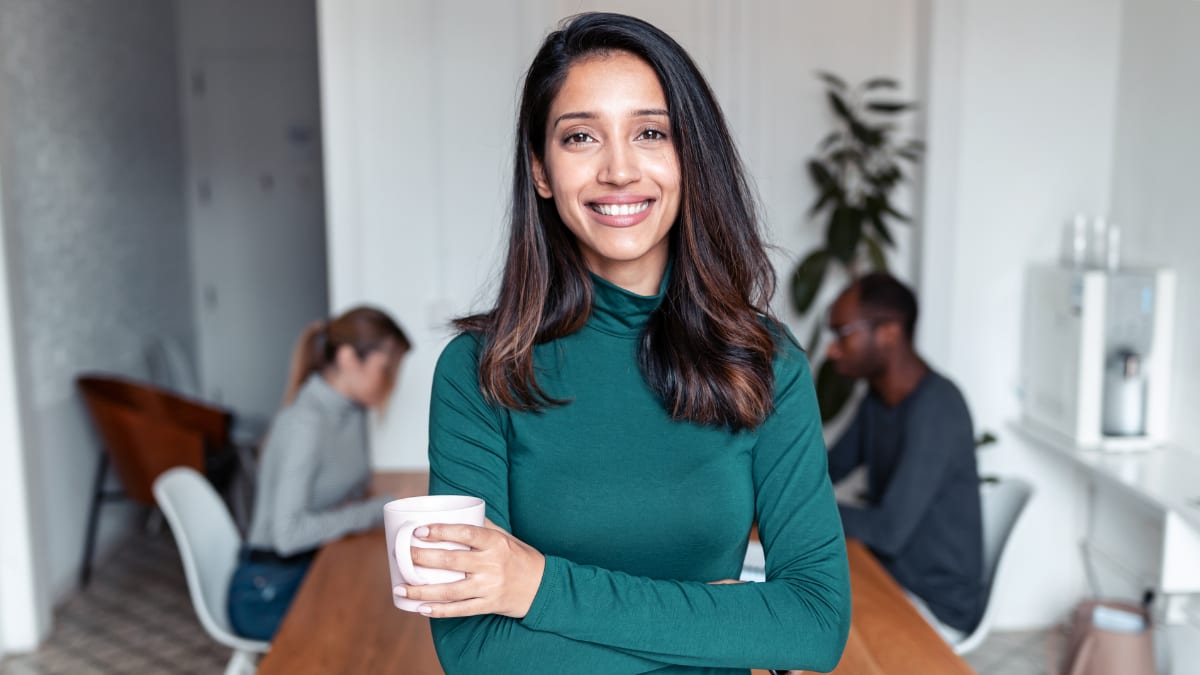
<point>404,556</point>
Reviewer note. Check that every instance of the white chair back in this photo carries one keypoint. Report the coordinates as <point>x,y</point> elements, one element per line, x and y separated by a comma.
<point>208,543</point>
<point>1003,500</point>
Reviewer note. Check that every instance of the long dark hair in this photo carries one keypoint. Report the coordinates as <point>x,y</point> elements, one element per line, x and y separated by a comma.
<point>706,351</point>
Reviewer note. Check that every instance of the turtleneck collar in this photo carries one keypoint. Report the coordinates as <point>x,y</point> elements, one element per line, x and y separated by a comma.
<point>328,398</point>
<point>620,312</point>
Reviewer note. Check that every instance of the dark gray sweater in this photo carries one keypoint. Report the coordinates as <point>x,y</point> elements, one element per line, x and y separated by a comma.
<point>922,518</point>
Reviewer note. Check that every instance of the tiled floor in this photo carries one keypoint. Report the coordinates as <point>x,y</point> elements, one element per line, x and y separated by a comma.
<point>136,618</point>
<point>1017,653</point>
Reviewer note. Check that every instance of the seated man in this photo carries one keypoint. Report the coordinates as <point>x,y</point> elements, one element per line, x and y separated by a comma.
<point>913,433</point>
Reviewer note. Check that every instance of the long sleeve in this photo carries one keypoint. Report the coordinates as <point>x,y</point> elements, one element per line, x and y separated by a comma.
<point>847,452</point>
<point>296,525</point>
<point>936,430</point>
<point>797,619</point>
<point>467,456</point>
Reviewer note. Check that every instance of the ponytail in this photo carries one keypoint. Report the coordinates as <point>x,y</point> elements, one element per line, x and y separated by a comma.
<point>364,329</point>
<point>308,356</point>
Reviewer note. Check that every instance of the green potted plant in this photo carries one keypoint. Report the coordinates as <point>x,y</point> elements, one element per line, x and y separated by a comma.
<point>857,168</point>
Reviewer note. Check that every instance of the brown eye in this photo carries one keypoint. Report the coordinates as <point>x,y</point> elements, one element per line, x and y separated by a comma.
<point>578,138</point>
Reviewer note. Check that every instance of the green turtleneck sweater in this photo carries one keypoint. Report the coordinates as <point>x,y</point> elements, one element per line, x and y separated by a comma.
<point>635,512</point>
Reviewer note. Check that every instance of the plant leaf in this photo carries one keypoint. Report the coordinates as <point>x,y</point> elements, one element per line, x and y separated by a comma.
<point>886,178</point>
<point>876,254</point>
<point>833,390</point>
<point>814,340</point>
<point>881,83</point>
<point>821,175</point>
<point>843,111</point>
<point>889,107</point>
<point>832,80</point>
<point>881,228</point>
<point>807,279</point>
<point>847,155</point>
<point>868,136</point>
<point>891,210</point>
<point>829,140</point>
<point>844,233</point>
<point>821,202</point>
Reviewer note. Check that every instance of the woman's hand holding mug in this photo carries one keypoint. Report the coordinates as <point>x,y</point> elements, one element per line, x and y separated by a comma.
<point>502,572</point>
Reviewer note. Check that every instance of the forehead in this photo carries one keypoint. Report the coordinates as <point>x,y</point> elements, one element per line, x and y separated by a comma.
<point>846,308</point>
<point>609,82</point>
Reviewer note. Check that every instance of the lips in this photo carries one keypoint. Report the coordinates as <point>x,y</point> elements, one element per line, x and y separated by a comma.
<point>621,210</point>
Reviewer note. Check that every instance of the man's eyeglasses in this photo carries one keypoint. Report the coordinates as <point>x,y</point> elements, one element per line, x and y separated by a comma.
<point>844,331</point>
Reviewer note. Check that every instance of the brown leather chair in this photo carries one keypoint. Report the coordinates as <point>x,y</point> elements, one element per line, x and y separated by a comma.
<point>145,431</point>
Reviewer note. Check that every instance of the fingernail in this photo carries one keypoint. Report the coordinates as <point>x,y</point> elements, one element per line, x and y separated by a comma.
<point>425,609</point>
<point>400,592</point>
<point>421,532</point>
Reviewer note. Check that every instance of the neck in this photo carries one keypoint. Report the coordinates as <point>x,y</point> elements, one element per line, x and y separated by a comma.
<point>333,377</point>
<point>899,378</point>
<point>643,276</point>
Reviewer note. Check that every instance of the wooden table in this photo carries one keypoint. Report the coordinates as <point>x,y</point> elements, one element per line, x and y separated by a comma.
<point>343,621</point>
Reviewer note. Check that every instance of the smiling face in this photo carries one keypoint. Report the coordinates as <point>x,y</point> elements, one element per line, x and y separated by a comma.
<point>611,168</point>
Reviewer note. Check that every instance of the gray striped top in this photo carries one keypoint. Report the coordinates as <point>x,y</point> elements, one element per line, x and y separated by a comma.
<point>313,474</point>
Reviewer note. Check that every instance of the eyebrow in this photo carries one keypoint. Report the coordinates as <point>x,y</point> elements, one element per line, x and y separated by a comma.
<point>647,112</point>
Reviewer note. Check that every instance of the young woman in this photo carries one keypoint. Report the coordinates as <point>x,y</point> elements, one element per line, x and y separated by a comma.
<point>630,408</point>
<point>315,464</point>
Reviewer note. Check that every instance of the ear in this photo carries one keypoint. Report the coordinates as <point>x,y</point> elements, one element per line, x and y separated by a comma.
<point>890,333</point>
<point>345,358</point>
<point>540,181</point>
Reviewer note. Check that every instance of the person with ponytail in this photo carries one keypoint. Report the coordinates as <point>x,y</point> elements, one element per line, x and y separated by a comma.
<point>315,464</point>
<point>630,407</point>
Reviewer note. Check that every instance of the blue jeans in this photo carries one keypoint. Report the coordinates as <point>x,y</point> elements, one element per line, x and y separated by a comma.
<point>261,591</point>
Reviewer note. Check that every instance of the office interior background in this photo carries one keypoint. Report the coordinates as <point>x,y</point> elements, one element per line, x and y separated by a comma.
<point>219,173</point>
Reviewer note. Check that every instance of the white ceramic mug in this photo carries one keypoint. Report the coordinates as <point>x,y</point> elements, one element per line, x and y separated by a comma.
<point>402,516</point>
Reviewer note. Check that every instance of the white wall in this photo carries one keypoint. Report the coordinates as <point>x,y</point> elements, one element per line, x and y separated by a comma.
<point>1154,173</point>
<point>97,249</point>
<point>256,207</point>
<point>419,110</point>
<point>1023,99</point>
<point>22,620</point>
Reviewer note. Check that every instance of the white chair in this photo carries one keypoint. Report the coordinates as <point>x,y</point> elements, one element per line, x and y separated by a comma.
<point>208,543</point>
<point>1003,500</point>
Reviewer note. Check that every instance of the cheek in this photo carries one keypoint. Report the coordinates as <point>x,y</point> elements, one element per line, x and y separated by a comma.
<point>566,174</point>
<point>666,174</point>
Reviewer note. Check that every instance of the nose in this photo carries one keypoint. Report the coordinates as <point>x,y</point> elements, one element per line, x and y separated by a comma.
<point>620,165</point>
<point>834,352</point>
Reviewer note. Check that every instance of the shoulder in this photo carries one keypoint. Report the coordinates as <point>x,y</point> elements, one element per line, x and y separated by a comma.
<point>459,356</point>
<point>298,425</point>
<point>942,390</point>
<point>790,361</point>
<point>457,372</point>
<point>304,412</point>
<point>941,398</point>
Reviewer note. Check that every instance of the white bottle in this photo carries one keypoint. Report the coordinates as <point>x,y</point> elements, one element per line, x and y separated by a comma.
<point>1074,244</point>
<point>1124,395</point>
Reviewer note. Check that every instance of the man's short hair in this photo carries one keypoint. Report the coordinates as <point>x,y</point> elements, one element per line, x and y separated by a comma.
<point>884,296</point>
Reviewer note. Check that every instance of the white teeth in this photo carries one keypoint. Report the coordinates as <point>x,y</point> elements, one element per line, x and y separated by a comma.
<point>621,209</point>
